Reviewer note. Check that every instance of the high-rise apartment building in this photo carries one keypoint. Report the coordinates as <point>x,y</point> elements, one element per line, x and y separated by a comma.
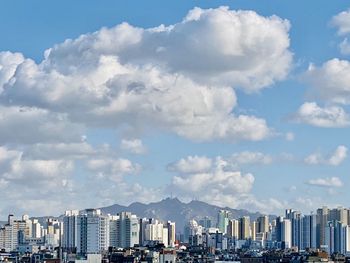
<point>28,229</point>
<point>171,233</point>
<point>12,232</point>
<point>244,228</point>
<point>113,230</point>
<point>205,222</point>
<point>308,228</point>
<point>322,221</point>
<point>337,237</point>
<point>233,229</point>
<point>253,227</point>
<point>223,217</point>
<point>92,232</point>
<point>339,214</point>
<point>36,229</point>
<point>345,240</point>
<point>286,233</point>
<point>278,229</point>
<point>156,231</point>
<point>295,218</point>
<point>332,237</point>
<point>192,228</point>
<point>128,229</point>
<point>263,224</point>
<point>70,230</point>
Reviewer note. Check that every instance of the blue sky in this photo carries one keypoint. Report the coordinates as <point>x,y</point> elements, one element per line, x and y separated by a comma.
<point>235,108</point>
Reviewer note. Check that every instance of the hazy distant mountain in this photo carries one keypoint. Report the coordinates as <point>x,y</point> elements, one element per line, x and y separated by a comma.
<point>175,210</point>
<point>170,209</point>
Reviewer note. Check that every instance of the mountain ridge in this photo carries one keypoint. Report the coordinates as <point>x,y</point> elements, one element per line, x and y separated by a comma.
<point>171,209</point>
<point>177,211</point>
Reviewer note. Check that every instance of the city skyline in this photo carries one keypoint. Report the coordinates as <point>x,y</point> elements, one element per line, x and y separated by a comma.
<point>239,104</point>
<point>80,235</point>
<point>92,231</point>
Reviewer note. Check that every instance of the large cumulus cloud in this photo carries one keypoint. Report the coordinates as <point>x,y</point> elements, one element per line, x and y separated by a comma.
<point>328,85</point>
<point>330,82</point>
<point>180,78</point>
<point>218,181</point>
<point>44,175</point>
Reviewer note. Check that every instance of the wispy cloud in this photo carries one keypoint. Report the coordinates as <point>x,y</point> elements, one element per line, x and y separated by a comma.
<point>326,182</point>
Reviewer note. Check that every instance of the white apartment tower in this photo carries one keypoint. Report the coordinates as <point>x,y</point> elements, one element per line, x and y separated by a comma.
<point>156,231</point>
<point>124,230</point>
<point>92,232</point>
<point>286,233</point>
<point>9,234</point>
<point>127,230</point>
<point>36,229</point>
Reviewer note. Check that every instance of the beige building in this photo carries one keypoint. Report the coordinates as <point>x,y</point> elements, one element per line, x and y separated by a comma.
<point>244,228</point>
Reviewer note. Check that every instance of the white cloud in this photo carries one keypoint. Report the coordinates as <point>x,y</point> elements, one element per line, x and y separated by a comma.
<point>139,97</point>
<point>40,207</point>
<point>54,180</point>
<point>342,22</point>
<point>308,203</point>
<point>23,125</point>
<point>345,47</point>
<point>126,193</point>
<point>133,145</point>
<point>330,82</point>
<point>8,64</point>
<point>338,156</point>
<point>27,170</point>
<point>287,157</point>
<point>179,78</point>
<point>62,150</point>
<point>314,159</point>
<point>240,56</point>
<point>202,164</point>
<point>267,205</point>
<point>40,175</point>
<point>191,164</point>
<point>326,182</point>
<point>6,154</point>
<point>220,185</point>
<point>174,78</point>
<point>292,188</point>
<point>334,159</point>
<point>224,185</point>
<point>113,169</point>
<point>327,117</point>
<point>290,136</point>
<point>247,157</point>
<point>219,181</point>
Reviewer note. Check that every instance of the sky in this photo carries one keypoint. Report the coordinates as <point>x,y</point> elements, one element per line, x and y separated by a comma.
<point>243,104</point>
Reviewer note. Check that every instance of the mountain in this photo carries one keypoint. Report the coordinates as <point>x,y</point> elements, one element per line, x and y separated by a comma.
<point>169,209</point>
<point>174,210</point>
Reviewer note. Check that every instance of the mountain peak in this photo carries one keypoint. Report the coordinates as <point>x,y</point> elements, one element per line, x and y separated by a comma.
<point>172,200</point>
